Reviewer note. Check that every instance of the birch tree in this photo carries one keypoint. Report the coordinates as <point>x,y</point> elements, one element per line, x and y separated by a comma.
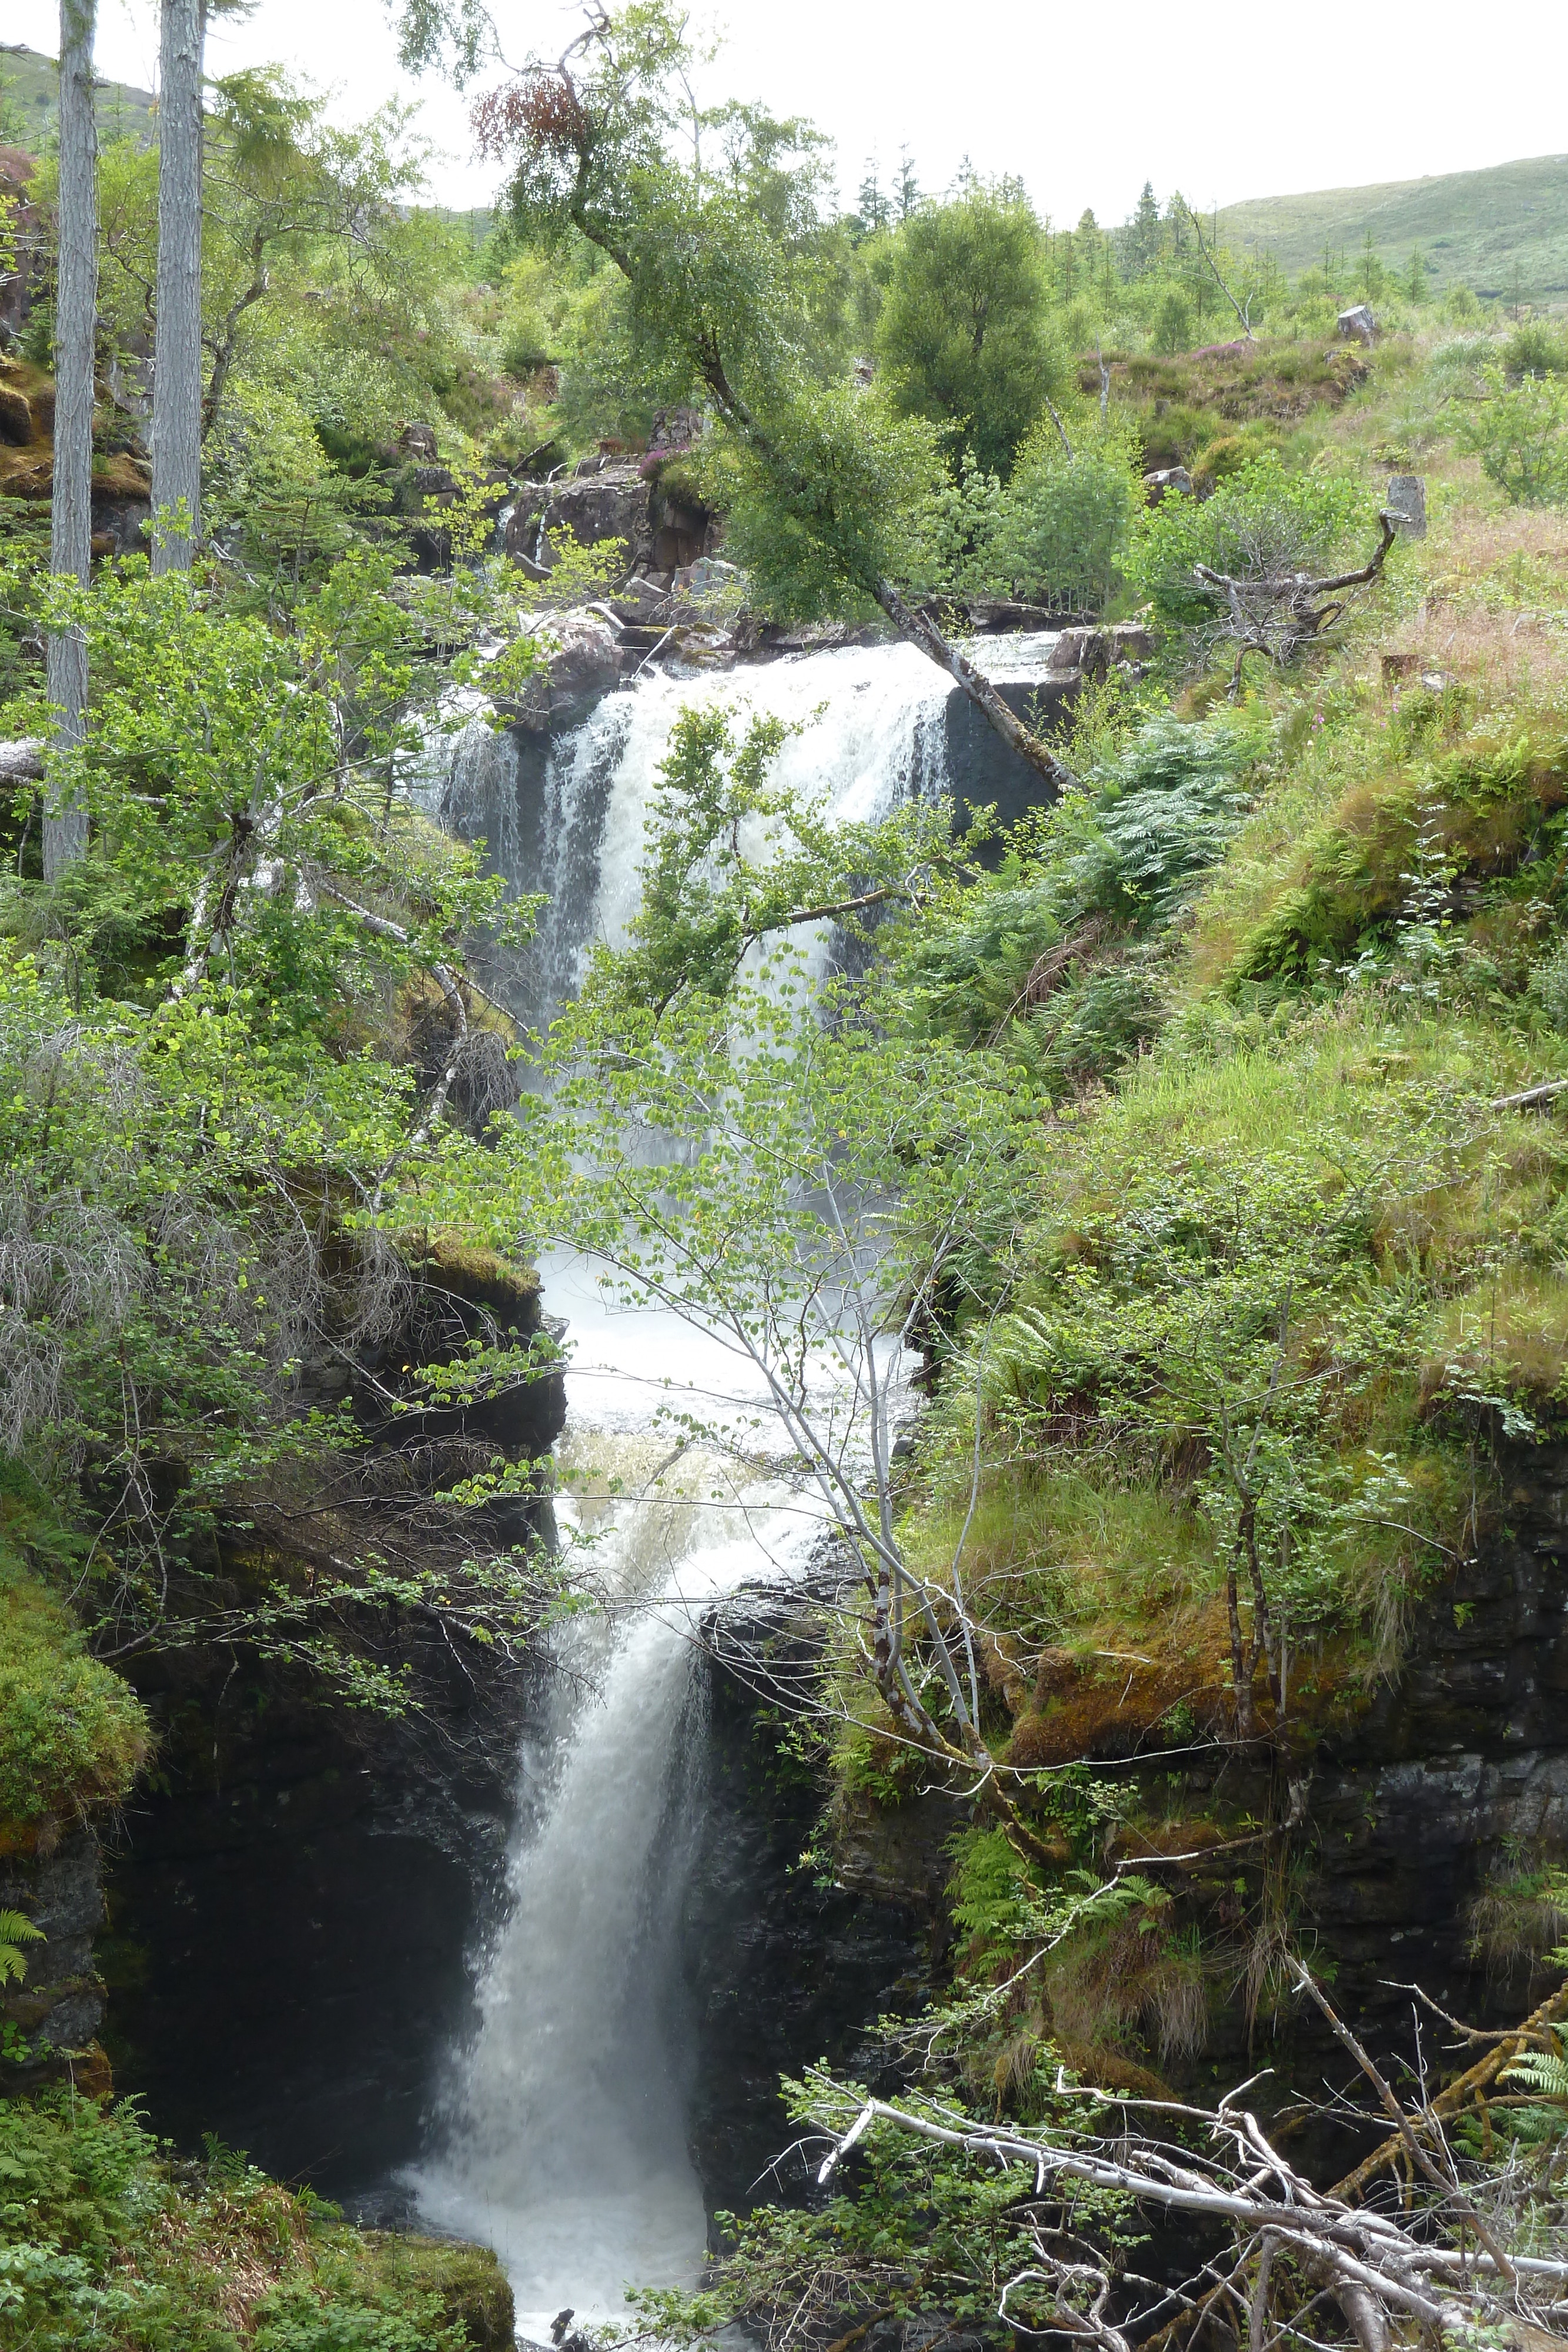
<point>177,347</point>
<point>76,308</point>
<point>720,302</point>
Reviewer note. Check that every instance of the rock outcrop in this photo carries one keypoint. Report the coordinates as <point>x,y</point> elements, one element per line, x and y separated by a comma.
<point>52,2015</point>
<point>660,530</point>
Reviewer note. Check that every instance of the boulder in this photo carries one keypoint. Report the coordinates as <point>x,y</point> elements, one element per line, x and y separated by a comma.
<point>419,441</point>
<point>584,666</point>
<point>708,580</point>
<point>675,430</point>
<point>16,417</point>
<point>1166,481</point>
<point>1407,502</point>
<point>1126,644</point>
<point>609,500</point>
<point>1356,325</point>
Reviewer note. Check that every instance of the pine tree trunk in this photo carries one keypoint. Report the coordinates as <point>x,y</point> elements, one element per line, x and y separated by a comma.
<point>177,347</point>
<point>76,315</point>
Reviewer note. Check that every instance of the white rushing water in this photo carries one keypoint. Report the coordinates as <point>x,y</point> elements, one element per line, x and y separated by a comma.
<point>871,734</point>
<point>563,2130</point>
<point>564,2136</point>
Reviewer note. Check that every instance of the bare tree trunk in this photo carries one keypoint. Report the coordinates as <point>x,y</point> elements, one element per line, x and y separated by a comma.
<point>917,630</point>
<point>76,317</point>
<point>177,347</point>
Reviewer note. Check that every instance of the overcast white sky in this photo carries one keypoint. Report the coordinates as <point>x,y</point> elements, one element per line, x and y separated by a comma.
<point>1084,99</point>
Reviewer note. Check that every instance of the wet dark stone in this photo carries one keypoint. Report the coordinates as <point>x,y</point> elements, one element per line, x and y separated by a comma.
<point>981,767</point>
<point>783,1966</point>
<point>291,1917</point>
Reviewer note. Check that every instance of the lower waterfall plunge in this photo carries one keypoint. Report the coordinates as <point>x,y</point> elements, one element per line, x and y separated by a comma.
<point>562,2125</point>
<point>563,2128</point>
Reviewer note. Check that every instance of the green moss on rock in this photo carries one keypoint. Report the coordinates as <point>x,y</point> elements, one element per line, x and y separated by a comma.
<point>72,1734</point>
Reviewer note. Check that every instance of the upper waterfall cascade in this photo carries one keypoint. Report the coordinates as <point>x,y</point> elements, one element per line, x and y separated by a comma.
<point>561,2137</point>
<point>870,734</point>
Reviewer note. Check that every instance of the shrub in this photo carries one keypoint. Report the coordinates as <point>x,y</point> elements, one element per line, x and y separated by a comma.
<point>1534,349</point>
<point>1059,528</point>
<point>1522,439</point>
<point>101,2243</point>
<point>1261,524</point>
<point>1229,453</point>
<point>1173,322</point>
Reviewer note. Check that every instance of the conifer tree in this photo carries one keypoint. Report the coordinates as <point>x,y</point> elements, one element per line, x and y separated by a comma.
<point>1142,237</point>
<point>875,212</point>
<point>908,195</point>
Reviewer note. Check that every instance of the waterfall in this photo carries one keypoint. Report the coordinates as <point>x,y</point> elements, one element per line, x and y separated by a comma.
<point>560,2135</point>
<point>567,817</point>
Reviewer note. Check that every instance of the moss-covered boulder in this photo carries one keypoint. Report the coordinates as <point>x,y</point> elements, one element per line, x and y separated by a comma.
<point>72,1734</point>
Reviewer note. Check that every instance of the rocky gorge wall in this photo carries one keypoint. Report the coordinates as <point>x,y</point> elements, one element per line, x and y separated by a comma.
<point>1409,1827</point>
<point>294,1906</point>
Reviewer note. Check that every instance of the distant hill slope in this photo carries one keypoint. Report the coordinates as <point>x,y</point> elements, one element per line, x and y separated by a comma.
<point>1503,232</point>
<point>28,92</point>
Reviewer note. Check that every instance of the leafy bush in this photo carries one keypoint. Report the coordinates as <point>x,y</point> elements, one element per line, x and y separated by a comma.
<point>102,2242</point>
<point>1261,524</point>
<point>71,1734</point>
<point>1521,437</point>
<point>1059,528</point>
<point>1534,348</point>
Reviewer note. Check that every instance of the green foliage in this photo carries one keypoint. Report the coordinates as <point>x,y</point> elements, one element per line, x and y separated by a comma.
<point>1261,522</point>
<point>842,494</point>
<point>16,1930</point>
<point>1534,348</point>
<point>1434,799</point>
<point>921,2229</point>
<point>731,287</point>
<point>1060,527</point>
<point>1521,435</point>
<point>211,1101</point>
<point>963,336</point>
<point>101,2240</point>
<point>71,1735</point>
<point>1003,957</point>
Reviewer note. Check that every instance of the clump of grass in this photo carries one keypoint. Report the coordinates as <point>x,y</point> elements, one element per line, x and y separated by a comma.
<point>1519,1918</point>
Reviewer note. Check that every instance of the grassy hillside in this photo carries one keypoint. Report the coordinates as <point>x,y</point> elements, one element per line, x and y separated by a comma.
<point>27,95</point>
<point>1503,232</point>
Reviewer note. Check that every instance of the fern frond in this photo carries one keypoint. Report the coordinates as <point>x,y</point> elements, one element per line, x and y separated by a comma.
<point>1546,2071</point>
<point>16,1929</point>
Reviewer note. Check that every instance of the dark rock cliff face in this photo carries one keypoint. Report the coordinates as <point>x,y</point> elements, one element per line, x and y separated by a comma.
<point>294,1890</point>
<point>1456,1770</point>
<point>785,1963</point>
<point>59,2006</point>
<point>291,1911</point>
